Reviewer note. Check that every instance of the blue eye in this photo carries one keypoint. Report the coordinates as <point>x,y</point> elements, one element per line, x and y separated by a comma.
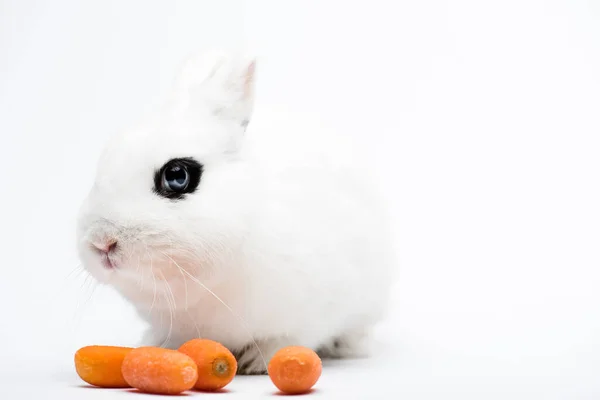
<point>177,178</point>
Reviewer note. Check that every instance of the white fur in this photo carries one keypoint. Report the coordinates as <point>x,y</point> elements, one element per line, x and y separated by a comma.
<point>284,228</point>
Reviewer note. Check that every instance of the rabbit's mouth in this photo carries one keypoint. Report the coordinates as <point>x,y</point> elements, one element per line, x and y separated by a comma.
<point>107,261</point>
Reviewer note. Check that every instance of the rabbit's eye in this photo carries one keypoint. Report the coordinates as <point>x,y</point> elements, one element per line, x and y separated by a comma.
<point>177,178</point>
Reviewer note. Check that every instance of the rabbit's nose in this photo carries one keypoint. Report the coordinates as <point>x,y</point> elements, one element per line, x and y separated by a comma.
<point>105,246</point>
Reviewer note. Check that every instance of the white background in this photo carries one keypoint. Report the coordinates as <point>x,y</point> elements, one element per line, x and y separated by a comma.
<point>486,119</point>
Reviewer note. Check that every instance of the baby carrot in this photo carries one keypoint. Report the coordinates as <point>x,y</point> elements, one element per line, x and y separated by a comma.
<point>216,365</point>
<point>101,365</point>
<point>159,371</point>
<point>295,369</point>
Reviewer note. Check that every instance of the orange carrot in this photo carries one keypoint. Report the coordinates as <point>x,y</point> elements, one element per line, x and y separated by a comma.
<point>159,371</point>
<point>101,365</point>
<point>295,369</point>
<point>216,365</point>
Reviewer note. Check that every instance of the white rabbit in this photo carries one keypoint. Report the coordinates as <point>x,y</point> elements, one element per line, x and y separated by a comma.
<point>254,228</point>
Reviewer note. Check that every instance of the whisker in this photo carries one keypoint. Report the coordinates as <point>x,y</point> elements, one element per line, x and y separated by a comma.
<point>86,282</point>
<point>240,319</point>
<point>170,292</point>
<point>153,282</point>
<point>79,273</point>
<point>184,282</point>
<point>185,288</point>
<point>77,269</point>
<point>80,309</point>
<point>75,273</point>
<point>154,293</point>
<point>194,322</point>
<point>147,250</point>
<point>171,308</point>
<point>168,338</point>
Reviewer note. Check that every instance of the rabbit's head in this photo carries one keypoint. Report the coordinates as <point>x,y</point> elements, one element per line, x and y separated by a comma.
<point>171,198</point>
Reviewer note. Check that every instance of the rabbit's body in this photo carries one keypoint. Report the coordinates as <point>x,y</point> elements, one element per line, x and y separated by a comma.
<point>282,243</point>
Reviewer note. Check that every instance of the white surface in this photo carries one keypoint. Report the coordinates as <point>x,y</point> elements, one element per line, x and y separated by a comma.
<point>486,119</point>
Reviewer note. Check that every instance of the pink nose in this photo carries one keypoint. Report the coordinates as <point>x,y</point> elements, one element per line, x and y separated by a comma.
<point>107,246</point>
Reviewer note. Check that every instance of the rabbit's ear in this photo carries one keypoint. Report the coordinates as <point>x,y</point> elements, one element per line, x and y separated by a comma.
<point>223,82</point>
